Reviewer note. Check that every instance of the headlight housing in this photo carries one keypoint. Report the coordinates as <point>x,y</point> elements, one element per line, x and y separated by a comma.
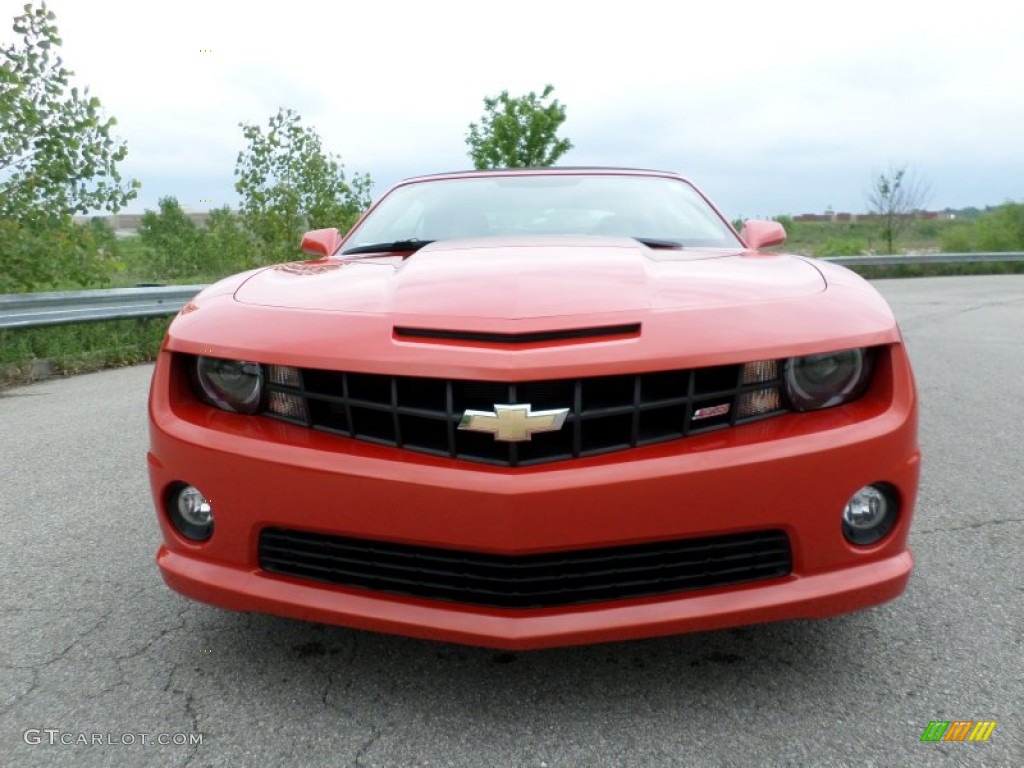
<point>232,385</point>
<point>826,380</point>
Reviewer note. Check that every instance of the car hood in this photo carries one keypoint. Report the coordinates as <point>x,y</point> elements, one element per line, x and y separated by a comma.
<point>534,278</point>
<point>534,308</point>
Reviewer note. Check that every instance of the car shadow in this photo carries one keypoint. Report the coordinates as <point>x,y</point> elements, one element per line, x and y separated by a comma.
<point>787,656</point>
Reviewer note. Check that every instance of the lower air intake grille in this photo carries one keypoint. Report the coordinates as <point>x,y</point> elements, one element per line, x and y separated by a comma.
<point>527,581</point>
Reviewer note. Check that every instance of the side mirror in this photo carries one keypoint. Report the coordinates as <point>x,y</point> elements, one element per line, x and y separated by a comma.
<point>321,242</point>
<point>762,234</point>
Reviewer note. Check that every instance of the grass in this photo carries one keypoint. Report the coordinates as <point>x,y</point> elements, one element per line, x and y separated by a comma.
<point>817,238</point>
<point>27,354</point>
<point>939,270</point>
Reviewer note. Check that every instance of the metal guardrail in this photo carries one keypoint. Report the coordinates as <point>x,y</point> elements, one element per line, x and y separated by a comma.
<point>924,258</point>
<point>32,310</point>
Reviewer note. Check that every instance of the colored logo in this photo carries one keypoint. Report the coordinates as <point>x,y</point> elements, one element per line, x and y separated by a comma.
<point>713,410</point>
<point>958,730</point>
<point>513,423</point>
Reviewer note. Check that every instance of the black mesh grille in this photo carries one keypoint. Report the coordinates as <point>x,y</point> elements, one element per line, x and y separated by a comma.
<point>528,581</point>
<point>605,413</point>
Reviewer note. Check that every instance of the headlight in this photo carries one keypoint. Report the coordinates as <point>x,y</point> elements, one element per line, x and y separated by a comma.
<point>822,381</point>
<point>233,385</point>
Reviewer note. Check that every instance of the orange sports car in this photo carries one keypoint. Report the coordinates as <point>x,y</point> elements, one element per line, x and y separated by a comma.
<point>533,408</point>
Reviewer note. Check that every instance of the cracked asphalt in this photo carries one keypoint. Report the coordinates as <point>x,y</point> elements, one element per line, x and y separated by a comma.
<point>94,644</point>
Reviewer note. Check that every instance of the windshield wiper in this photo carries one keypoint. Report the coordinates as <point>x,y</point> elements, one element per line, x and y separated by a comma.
<point>653,242</point>
<point>412,244</point>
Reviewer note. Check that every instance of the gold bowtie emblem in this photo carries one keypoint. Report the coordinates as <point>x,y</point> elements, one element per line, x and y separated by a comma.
<point>513,423</point>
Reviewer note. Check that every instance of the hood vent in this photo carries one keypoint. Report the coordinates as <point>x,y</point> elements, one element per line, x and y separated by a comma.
<point>532,337</point>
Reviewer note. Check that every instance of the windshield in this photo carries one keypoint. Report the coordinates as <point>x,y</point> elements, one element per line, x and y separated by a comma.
<point>651,208</point>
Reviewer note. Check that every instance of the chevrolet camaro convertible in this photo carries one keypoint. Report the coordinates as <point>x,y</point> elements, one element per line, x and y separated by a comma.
<point>532,408</point>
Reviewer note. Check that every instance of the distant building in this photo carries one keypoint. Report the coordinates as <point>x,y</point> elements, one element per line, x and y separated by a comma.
<point>128,223</point>
<point>833,216</point>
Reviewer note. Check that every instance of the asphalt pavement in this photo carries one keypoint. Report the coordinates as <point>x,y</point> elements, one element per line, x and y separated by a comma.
<point>95,648</point>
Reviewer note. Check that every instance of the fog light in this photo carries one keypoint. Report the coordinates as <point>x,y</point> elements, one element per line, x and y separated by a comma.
<point>191,512</point>
<point>869,514</point>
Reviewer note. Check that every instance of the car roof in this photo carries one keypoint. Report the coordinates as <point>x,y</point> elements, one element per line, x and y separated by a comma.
<point>553,170</point>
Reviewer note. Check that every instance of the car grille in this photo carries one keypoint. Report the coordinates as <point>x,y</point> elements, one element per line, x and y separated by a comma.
<point>605,413</point>
<point>527,581</point>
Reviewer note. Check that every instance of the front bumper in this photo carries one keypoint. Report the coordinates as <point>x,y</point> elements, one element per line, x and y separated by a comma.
<point>793,473</point>
<point>819,595</point>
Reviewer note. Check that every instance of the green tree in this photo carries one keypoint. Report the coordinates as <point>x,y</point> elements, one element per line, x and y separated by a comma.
<point>57,158</point>
<point>174,246</point>
<point>229,245</point>
<point>288,184</point>
<point>57,155</point>
<point>518,132</point>
<point>104,233</point>
<point>894,196</point>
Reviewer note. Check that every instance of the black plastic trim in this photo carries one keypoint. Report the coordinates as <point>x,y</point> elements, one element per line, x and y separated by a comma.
<point>629,329</point>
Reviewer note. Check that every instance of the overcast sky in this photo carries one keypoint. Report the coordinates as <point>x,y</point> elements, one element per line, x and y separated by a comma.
<point>771,108</point>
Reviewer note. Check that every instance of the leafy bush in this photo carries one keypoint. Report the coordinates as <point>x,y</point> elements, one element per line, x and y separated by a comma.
<point>1000,229</point>
<point>174,248</point>
<point>958,239</point>
<point>54,253</point>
